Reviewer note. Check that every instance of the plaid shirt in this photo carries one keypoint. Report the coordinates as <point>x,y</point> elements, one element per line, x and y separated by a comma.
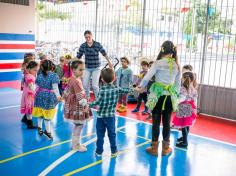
<point>91,54</point>
<point>107,99</point>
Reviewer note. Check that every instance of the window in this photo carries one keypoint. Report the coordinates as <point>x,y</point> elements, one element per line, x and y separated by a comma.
<point>20,2</point>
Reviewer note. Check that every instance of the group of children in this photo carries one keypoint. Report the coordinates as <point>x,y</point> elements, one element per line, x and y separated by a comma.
<point>42,92</point>
<point>124,79</point>
<point>170,92</point>
<point>41,95</point>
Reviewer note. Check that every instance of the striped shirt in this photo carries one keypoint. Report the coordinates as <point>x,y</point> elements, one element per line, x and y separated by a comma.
<point>91,54</point>
<point>107,99</point>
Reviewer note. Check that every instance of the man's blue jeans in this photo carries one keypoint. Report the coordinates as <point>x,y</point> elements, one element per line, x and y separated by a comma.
<point>95,74</point>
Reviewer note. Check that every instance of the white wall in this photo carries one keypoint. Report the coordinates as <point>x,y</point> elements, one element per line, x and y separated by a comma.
<point>17,19</point>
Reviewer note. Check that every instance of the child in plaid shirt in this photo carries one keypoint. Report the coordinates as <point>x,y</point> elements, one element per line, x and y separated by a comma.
<point>107,100</point>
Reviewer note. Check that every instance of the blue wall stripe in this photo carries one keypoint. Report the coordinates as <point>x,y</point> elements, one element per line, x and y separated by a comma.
<point>10,76</point>
<point>11,56</point>
<point>17,37</point>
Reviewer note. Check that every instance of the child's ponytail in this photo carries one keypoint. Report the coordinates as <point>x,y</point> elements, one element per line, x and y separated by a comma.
<point>167,48</point>
<point>31,64</point>
<point>186,82</point>
<point>45,67</point>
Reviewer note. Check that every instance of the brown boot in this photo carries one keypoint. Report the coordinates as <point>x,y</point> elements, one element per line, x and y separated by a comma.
<point>153,149</point>
<point>166,150</point>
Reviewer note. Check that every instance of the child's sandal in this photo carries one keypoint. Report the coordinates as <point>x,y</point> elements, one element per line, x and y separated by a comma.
<point>40,131</point>
<point>49,135</point>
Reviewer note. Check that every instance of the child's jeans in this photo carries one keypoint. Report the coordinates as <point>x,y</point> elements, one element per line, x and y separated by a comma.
<point>101,126</point>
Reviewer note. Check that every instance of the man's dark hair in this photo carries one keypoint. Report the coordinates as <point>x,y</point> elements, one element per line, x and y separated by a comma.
<point>87,32</point>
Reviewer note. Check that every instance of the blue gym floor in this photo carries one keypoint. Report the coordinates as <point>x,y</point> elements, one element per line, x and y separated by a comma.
<point>24,152</point>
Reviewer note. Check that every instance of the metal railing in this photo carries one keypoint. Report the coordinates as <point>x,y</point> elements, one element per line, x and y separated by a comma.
<point>203,30</point>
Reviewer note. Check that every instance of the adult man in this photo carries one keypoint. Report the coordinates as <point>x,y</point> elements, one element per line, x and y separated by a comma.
<point>91,51</point>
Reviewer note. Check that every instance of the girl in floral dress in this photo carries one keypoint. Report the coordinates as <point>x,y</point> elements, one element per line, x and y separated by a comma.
<point>46,98</point>
<point>187,111</point>
<point>76,104</point>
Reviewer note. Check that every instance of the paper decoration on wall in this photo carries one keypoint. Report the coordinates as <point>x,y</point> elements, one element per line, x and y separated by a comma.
<point>187,37</point>
<point>165,34</point>
<point>184,9</point>
<point>126,7</point>
<point>211,11</point>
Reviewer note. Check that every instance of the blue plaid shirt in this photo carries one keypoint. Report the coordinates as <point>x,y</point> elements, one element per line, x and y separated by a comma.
<point>91,54</point>
<point>107,99</point>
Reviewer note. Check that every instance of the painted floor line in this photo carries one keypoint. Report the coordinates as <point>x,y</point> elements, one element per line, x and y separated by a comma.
<point>203,137</point>
<point>208,138</point>
<point>40,149</point>
<point>147,139</point>
<point>100,161</point>
<point>63,158</point>
<point>141,137</point>
<point>8,107</point>
<point>136,120</point>
<point>148,123</point>
<point>67,155</point>
<point>215,140</point>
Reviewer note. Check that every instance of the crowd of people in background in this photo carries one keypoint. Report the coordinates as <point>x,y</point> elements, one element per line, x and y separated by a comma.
<point>161,86</point>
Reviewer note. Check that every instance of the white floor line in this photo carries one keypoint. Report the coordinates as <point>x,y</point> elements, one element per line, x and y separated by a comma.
<point>136,120</point>
<point>211,139</point>
<point>56,163</point>
<point>67,155</point>
<point>215,140</point>
<point>8,107</point>
<point>64,157</point>
<point>148,123</point>
<point>216,117</point>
